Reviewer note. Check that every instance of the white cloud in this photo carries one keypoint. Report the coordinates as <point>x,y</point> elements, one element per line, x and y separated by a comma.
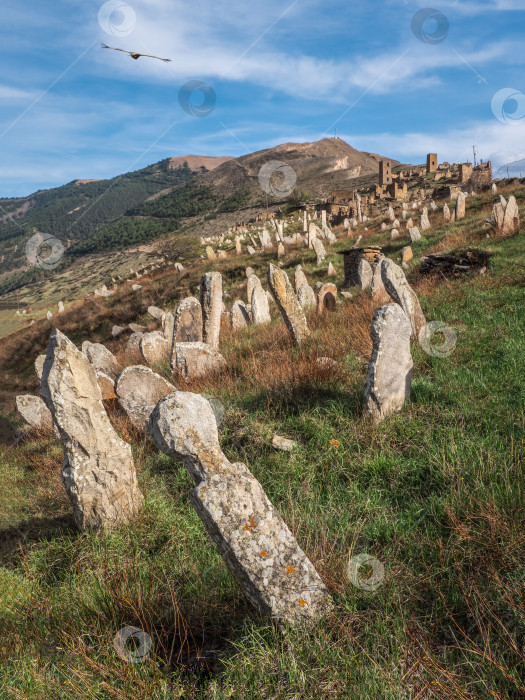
<point>7,92</point>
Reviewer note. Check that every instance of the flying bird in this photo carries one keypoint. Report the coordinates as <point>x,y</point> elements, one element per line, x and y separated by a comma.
<point>136,55</point>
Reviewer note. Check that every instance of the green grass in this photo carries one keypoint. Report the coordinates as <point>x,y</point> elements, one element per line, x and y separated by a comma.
<point>435,493</point>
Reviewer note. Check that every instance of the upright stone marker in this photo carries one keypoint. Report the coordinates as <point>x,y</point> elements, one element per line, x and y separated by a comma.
<point>254,541</point>
<point>460,206</point>
<point>239,316</point>
<point>98,471</point>
<point>288,304</point>
<point>138,391</point>
<point>327,298</point>
<point>187,327</point>
<point>299,278</point>
<point>390,369</point>
<point>260,306</point>
<point>319,250</point>
<point>402,293</point>
<point>211,303</point>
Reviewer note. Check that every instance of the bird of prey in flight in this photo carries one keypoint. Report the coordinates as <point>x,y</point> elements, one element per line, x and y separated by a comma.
<point>136,55</point>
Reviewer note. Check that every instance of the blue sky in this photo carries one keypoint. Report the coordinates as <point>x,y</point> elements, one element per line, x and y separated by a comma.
<point>280,72</point>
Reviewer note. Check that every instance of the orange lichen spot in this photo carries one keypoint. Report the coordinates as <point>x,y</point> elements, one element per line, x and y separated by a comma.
<point>250,525</point>
<point>290,569</point>
<point>302,603</point>
<point>247,527</point>
<point>263,553</point>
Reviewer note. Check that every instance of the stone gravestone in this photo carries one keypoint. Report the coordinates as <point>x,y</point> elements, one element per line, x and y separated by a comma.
<point>402,293</point>
<point>288,304</point>
<point>424,222</point>
<point>390,370</point>
<point>260,306</point>
<point>187,326</point>
<point>364,274</point>
<point>327,297</point>
<point>138,391</point>
<point>98,470</point>
<point>299,278</point>
<point>306,296</point>
<point>196,360</point>
<point>253,281</point>
<point>154,347</point>
<point>211,303</point>
<point>414,234</point>
<point>319,250</point>
<point>254,541</point>
<point>460,206</point>
<point>446,213</point>
<point>239,316</point>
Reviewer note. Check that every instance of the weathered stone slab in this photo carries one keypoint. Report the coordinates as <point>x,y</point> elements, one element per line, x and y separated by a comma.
<point>327,298</point>
<point>331,272</point>
<point>137,328</point>
<point>260,306</point>
<point>364,274</point>
<point>239,315</point>
<point>155,312</point>
<point>133,345</point>
<point>414,234</point>
<point>511,217</point>
<point>446,212</point>
<point>98,470</point>
<point>460,206</point>
<point>299,278</point>
<point>253,281</point>
<point>211,304</point>
<point>288,304</point>
<point>378,293</point>
<point>168,324</point>
<point>154,347</point>
<point>197,360</point>
<point>306,296</point>
<point>254,541</point>
<point>390,370</point>
<point>139,390</point>
<point>319,250</point>
<point>187,327</point>
<point>424,222</point>
<point>101,358</point>
<point>402,293</point>
<point>35,412</point>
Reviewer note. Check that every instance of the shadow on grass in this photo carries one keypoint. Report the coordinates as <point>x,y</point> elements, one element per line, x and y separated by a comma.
<point>31,531</point>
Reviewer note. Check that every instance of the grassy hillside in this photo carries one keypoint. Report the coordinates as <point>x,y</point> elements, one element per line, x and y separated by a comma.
<point>434,493</point>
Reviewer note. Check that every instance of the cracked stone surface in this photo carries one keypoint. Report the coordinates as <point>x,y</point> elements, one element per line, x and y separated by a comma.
<point>139,390</point>
<point>254,541</point>
<point>101,358</point>
<point>154,347</point>
<point>98,471</point>
<point>35,412</point>
<point>390,370</point>
<point>402,293</point>
<point>211,303</point>
<point>196,360</point>
<point>288,304</point>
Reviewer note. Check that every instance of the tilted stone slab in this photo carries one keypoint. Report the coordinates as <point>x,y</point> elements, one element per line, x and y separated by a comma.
<point>253,281</point>
<point>155,312</point>
<point>288,304</point>
<point>402,293</point>
<point>211,304</point>
<point>511,217</point>
<point>390,370</point>
<point>98,470</point>
<point>106,385</point>
<point>364,274</point>
<point>197,360</point>
<point>257,546</point>
<point>133,345</point>
<point>139,390</point>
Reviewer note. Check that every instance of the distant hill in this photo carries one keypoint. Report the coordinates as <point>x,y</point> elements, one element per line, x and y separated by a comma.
<point>515,169</point>
<point>198,194</point>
